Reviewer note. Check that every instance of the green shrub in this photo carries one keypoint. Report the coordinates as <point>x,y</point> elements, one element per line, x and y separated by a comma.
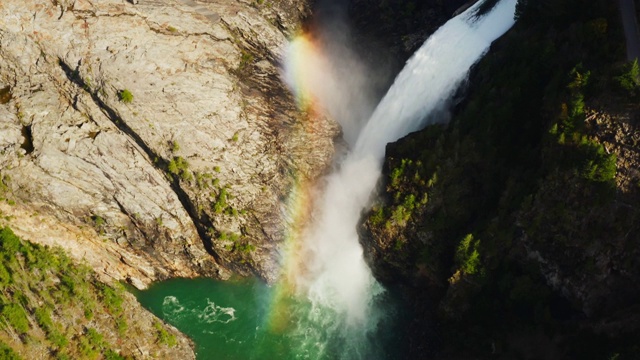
<point>122,326</point>
<point>68,284</point>
<point>246,248</point>
<point>377,217</point>
<point>7,353</point>
<point>95,337</point>
<point>92,343</point>
<point>43,318</point>
<point>88,313</point>
<point>111,298</point>
<point>218,208</point>
<point>396,174</point>
<point>125,96</point>
<point>202,180</point>
<point>433,180</point>
<point>221,202</point>
<point>577,107</point>
<point>58,339</point>
<point>164,337</point>
<point>580,78</point>
<point>400,214</point>
<point>16,317</point>
<point>599,166</point>
<point>180,167</point>
<point>98,221</point>
<point>112,355</point>
<point>5,276</point>
<point>87,349</point>
<point>468,257</point>
<point>630,78</point>
<point>10,244</point>
<point>399,171</point>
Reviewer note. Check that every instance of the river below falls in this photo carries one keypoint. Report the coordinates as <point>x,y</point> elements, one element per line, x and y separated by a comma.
<point>245,319</point>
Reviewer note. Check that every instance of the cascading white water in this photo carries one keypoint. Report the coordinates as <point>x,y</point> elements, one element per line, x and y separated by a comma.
<point>338,277</point>
<point>431,76</point>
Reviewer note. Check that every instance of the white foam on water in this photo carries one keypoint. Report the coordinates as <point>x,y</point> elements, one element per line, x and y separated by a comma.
<point>171,307</point>
<point>214,313</point>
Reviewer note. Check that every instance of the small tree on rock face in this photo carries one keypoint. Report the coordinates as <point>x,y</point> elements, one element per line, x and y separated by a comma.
<point>467,256</point>
<point>630,79</point>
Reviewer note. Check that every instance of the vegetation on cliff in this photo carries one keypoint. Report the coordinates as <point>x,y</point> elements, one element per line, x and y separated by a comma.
<point>518,219</point>
<point>52,308</point>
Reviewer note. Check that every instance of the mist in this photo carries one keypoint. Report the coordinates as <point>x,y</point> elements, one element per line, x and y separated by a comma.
<point>336,276</point>
<point>336,76</point>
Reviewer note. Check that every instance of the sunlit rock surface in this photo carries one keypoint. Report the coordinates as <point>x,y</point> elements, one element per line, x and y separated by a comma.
<point>184,179</point>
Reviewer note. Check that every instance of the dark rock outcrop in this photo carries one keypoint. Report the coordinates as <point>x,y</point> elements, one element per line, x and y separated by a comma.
<point>513,230</point>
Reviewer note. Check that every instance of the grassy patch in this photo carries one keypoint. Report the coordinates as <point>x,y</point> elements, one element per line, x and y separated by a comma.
<point>179,166</point>
<point>42,288</point>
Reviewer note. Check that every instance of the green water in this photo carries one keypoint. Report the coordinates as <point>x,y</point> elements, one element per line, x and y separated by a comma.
<point>240,320</point>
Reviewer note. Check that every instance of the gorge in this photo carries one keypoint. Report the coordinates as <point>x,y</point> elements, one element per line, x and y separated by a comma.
<point>336,307</point>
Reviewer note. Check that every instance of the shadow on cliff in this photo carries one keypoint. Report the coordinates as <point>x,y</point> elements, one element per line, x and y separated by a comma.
<point>201,221</point>
<point>513,230</point>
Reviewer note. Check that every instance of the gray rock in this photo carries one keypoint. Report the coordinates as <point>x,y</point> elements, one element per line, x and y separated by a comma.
<point>77,149</point>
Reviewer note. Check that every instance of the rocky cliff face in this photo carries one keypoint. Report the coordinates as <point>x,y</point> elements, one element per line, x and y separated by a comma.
<point>160,128</point>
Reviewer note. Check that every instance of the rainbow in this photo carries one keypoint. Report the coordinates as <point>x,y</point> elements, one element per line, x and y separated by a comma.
<point>303,72</point>
<point>297,212</point>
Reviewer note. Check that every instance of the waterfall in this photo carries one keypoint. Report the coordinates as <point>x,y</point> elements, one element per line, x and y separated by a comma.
<point>431,76</point>
<point>336,275</point>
